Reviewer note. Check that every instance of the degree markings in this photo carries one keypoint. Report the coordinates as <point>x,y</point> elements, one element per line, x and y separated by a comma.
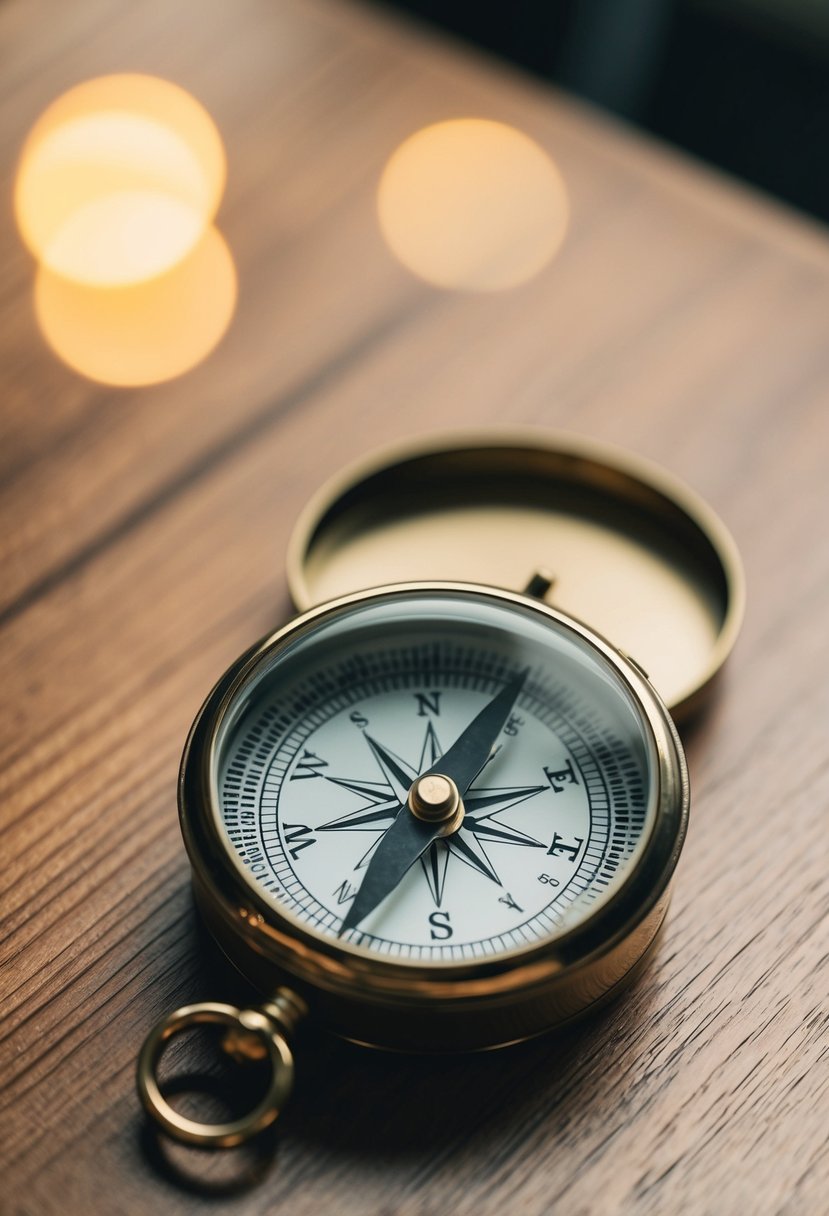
<point>268,772</point>
<point>392,765</point>
<point>469,850</point>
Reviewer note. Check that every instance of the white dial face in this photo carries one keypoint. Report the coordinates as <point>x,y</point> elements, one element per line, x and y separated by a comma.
<point>319,756</point>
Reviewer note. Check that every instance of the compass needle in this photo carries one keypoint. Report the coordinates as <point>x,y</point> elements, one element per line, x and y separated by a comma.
<point>396,853</point>
<point>417,825</point>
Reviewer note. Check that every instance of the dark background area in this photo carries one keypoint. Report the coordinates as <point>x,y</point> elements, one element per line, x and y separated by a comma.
<point>743,84</point>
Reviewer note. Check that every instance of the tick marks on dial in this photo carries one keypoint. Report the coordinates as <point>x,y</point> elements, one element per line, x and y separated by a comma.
<point>582,798</point>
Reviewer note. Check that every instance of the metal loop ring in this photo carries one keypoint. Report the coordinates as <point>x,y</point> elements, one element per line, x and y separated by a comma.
<point>249,1022</point>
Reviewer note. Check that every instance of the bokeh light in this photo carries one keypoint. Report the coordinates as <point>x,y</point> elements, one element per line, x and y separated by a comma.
<point>147,332</point>
<point>118,180</point>
<point>472,204</point>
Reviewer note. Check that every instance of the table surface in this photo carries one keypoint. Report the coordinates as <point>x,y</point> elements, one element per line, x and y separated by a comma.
<point>143,546</point>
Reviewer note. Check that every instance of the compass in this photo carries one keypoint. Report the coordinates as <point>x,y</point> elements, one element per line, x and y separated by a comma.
<point>432,815</point>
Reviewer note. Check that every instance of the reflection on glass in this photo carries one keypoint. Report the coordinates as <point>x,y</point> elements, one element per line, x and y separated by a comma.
<point>146,332</point>
<point>472,204</point>
<point>118,180</point>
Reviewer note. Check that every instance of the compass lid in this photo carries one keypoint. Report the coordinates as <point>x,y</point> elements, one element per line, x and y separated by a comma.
<point>627,548</point>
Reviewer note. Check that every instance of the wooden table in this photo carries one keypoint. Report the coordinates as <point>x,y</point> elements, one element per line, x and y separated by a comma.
<point>143,548</point>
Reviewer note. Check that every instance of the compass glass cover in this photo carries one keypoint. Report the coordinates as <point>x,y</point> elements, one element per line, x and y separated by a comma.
<point>316,755</point>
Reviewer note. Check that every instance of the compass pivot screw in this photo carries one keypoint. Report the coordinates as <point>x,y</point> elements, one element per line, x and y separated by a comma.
<point>435,799</point>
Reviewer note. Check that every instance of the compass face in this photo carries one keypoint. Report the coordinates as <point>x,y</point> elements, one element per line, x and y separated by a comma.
<point>316,758</point>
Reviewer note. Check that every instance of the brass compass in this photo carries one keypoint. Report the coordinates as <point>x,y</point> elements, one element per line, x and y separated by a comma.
<point>439,815</point>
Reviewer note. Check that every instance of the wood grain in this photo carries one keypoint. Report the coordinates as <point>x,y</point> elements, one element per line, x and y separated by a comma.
<point>143,547</point>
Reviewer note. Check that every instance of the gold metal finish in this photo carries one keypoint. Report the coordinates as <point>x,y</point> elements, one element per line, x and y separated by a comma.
<point>636,554</point>
<point>403,1004</point>
<point>435,799</point>
<point>252,1034</point>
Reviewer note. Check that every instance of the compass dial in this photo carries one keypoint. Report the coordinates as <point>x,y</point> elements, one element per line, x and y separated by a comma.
<point>323,743</point>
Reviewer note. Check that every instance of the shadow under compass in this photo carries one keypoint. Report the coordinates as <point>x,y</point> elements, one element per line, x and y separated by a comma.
<point>373,1106</point>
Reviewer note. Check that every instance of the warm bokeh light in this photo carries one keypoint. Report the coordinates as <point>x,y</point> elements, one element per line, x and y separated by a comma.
<point>147,332</point>
<point>472,204</point>
<point>118,180</point>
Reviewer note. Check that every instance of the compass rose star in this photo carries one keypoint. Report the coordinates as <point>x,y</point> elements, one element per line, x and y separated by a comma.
<point>431,751</point>
<point>383,799</point>
<point>397,772</point>
<point>434,864</point>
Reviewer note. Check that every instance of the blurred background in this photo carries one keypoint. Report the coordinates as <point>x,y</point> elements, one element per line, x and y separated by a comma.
<point>743,84</point>
<point>246,242</point>
<point>122,176</point>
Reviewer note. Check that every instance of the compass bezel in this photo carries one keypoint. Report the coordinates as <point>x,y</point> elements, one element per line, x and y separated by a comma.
<point>573,969</point>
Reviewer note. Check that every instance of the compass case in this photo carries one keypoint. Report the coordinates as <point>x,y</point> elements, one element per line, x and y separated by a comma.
<point>627,548</point>
<point>473,1005</point>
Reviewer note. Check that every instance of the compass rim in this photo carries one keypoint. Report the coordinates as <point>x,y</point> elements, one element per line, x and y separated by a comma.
<point>343,971</point>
